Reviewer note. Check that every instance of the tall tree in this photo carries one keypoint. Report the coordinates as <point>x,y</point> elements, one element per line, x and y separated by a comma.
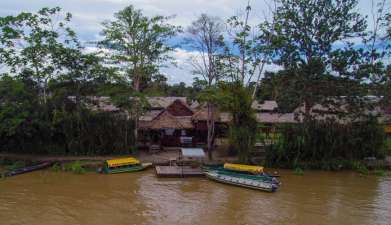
<point>32,42</point>
<point>248,50</point>
<point>376,57</point>
<point>243,54</point>
<point>205,35</point>
<point>314,41</point>
<point>139,45</point>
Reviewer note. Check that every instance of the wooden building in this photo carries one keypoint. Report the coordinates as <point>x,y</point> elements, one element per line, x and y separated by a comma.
<point>170,126</point>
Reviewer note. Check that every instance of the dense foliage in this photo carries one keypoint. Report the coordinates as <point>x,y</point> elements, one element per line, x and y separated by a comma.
<point>323,48</point>
<point>243,128</point>
<point>326,144</point>
<point>59,126</point>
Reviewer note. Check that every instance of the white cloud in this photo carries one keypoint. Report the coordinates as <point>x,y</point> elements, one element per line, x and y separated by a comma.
<point>181,71</point>
<point>89,14</point>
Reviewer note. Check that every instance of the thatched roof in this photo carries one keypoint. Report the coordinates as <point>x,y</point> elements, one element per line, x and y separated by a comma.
<point>150,115</point>
<point>276,118</point>
<point>163,102</point>
<point>202,115</point>
<point>265,106</point>
<point>167,121</point>
<point>97,103</point>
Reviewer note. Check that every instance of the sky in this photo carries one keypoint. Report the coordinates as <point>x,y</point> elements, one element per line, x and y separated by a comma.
<point>89,14</point>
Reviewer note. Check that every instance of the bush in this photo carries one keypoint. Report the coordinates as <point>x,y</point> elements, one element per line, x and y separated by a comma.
<point>326,145</point>
<point>16,165</point>
<point>361,168</point>
<point>388,146</point>
<point>298,171</point>
<point>74,167</point>
<point>56,167</point>
<point>71,131</point>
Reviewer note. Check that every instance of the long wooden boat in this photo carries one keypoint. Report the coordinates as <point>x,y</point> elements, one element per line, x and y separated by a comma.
<point>243,178</point>
<point>257,182</point>
<point>123,165</point>
<point>27,169</point>
<point>244,168</point>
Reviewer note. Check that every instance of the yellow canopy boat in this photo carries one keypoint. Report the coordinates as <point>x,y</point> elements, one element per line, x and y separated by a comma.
<point>122,162</point>
<point>244,168</point>
<point>129,164</point>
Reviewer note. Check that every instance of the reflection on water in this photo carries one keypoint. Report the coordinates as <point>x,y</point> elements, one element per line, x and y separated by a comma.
<point>51,198</point>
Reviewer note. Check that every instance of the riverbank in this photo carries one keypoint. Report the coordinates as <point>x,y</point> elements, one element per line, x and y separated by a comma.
<point>161,158</point>
<point>78,164</point>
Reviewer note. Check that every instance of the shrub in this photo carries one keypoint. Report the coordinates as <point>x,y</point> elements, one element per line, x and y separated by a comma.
<point>16,165</point>
<point>326,144</point>
<point>361,168</point>
<point>388,146</point>
<point>298,171</point>
<point>74,167</point>
<point>56,167</point>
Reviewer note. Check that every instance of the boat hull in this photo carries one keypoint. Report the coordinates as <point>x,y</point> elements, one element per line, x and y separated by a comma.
<point>242,182</point>
<point>129,169</point>
<point>28,169</point>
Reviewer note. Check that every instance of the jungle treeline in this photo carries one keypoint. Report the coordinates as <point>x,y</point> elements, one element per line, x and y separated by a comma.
<point>325,52</point>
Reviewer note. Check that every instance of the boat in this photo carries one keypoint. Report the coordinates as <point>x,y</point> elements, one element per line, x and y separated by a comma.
<point>242,177</point>
<point>28,169</point>
<point>244,168</point>
<point>122,165</point>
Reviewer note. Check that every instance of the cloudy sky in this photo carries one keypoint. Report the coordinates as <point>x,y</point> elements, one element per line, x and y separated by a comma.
<point>88,15</point>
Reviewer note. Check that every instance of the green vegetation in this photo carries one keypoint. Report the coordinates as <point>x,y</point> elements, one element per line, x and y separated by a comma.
<point>16,165</point>
<point>45,92</point>
<point>388,146</point>
<point>74,167</point>
<point>57,167</point>
<point>243,130</point>
<point>298,171</point>
<point>380,173</point>
<point>326,145</point>
<point>360,167</point>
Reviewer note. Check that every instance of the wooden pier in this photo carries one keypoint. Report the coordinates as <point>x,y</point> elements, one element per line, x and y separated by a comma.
<point>178,171</point>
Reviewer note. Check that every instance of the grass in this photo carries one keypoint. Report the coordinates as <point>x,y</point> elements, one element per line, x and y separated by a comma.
<point>56,167</point>
<point>382,173</point>
<point>74,167</point>
<point>298,171</point>
<point>361,168</point>
<point>16,165</point>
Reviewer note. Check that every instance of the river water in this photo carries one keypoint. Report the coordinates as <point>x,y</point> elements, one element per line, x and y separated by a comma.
<point>57,198</point>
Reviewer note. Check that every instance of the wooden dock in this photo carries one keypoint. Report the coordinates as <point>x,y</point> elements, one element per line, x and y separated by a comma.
<point>178,171</point>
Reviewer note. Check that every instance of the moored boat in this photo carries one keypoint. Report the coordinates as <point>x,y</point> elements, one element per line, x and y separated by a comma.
<point>122,165</point>
<point>28,169</point>
<point>244,168</point>
<point>243,177</point>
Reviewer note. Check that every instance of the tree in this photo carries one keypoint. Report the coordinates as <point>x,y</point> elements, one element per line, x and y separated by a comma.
<point>376,67</point>
<point>205,35</point>
<point>138,46</point>
<point>314,41</point>
<point>32,42</point>
<point>280,87</point>
<point>237,99</point>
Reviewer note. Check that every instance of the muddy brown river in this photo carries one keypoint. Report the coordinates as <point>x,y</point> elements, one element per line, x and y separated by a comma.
<point>51,198</point>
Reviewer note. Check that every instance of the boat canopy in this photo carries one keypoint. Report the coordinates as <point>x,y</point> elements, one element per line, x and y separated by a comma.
<point>243,168</point>
<point>122,162</point>
<point>193,152</point>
